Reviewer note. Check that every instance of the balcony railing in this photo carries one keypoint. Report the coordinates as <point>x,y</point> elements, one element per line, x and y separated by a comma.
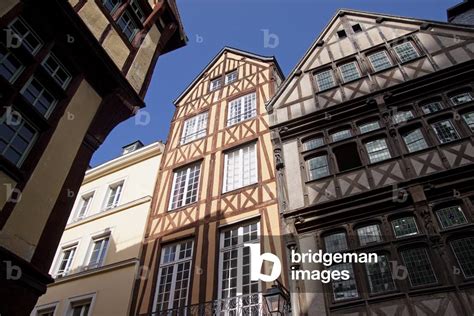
<point>245,305</point>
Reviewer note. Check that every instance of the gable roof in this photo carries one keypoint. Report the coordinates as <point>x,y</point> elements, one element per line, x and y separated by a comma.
<point>217,56</point>
<point>360,13</point>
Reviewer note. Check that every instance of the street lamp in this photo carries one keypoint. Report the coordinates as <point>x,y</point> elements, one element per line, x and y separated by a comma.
<point>276,299</point>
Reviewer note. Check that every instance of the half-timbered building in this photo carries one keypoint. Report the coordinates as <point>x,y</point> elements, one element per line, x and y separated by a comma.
<point>373,130</point>
<point>216,191</point>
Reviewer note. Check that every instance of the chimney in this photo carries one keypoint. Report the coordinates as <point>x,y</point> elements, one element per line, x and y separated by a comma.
<point>462,13</point>
<point>132,147</point>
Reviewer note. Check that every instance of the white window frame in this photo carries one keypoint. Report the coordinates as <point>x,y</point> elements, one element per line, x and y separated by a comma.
<point>116,201</point>
<point>89,196</point>
<point>68,268</point>
<point>50,307</point>
<point>80,300</point>
<point>239,247</point>
<point>175,264</point>
<point>215,84</point>
<point>98,238</point>
<point>253,178</point>
<point>236,112</point>
<point>186,184</point>
<point>198,129</point>
<point>231,77</point>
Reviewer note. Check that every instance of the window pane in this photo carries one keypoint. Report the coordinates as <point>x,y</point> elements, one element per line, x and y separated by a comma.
<point>57,70</point>
<point>242,109</point>
<point>445,131</point>
<point>115,191</point>
<point>402,116</point>
<point>469,119</point>
<point>194,128</point>
<point>10,66</point>
<point>418,264</point>
<point>111,5</point>
<point>99,249</point>
<point>26,35</point>
<point>185,186</point>
<point>341,135</point>
<point>462,98</point>
<point>325,80</point>
<point>16,138</point>
<point>451,216</point>
<point>343,290</point>
<point>369,234</point>
<point>318,167</point>
<point>215,84</point>
<point>380,275</point>
<point>431,107</point>
<point>84,206</point>
<point>405,226</point>
<point>128,25</point>
<point>231,77</point>
<point>368,127</point>
<point>406,51</point>
<point>335,242</point>
<point>415,140</point>
<point>240,167</point>
<point>377,150</point>
<point>464,251</point>
<point>313,143</point>
<point>40,98</point>
<point>380,61</point>
<point>349,71</point>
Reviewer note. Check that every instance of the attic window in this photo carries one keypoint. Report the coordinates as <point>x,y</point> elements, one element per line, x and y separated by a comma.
<point>356,28</point>
<point>341,34</point>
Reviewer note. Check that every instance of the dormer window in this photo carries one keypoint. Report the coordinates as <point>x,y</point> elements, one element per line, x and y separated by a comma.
<point>325,80</point>
<point>406,51</point>
<point>462,98</point>
<point>215,84</point>
<point>231,77</point>
<point>349,71</point>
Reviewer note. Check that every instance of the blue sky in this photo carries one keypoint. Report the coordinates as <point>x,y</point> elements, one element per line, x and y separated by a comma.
<point>213,24</point>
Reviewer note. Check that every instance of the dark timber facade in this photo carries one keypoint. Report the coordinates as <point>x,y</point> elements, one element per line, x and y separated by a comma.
<point>374,133</point>
<point>69,73</point>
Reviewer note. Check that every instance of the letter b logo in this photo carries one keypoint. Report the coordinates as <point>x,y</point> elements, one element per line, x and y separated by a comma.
<point>256,261</point>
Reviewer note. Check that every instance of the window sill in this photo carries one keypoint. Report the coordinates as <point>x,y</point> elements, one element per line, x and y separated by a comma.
<point>375,73</point>
<point>182,207</point>
<point>238,190</point>
<point>191,141</point>
<point>240,122</point>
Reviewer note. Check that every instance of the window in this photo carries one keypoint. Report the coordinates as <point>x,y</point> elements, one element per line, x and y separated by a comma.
<point>377,150</point>
<point>137,10</point>
<point>26,36</point>
<point>215,84</point>
<point>240,167</point>
<point>194,128</point>
<point>445,131</point>
<point>431,107</point>
<point>318,167</point>
<point>45,311</point>
<point>113,196</point>
<point>344,289</point>
<point>340,135</point>
<point>237,292</point>
<point>335,242</point>
<point>41,99</point>
<point>380,61</point>
<point>369,234</point>
<point>128,25</point>
<point>65,261</point>
<point>462,98</point>
<point>368,127</point>
<point>418,264</point>
<point>356,28</point>
<point>16,138</point>
<point>402,116</point>
<point>111,5</point>
<point>99,249</point>
<point>405,226</point>
<point>242,109</point>
<point>231,77</point>
<point>469,119</point>
<point>451,216</point>
<point>347,156</point>
<point>185,186</point>
<point>380,275</point>
<point>349,71</point>
<point>341,34</point>
<point>313,143</point>
<point>464,251</point>
<point>84,205</point>
<point>174,276</point>
<point>406,51</point>
<point>10,66</point>
<point>414,140</point>
<point>325,80</point>
<point>80,308</point>
<point>59,73</point>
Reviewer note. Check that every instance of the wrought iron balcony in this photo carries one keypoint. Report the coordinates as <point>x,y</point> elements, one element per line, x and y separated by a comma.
<point>244,305</point>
